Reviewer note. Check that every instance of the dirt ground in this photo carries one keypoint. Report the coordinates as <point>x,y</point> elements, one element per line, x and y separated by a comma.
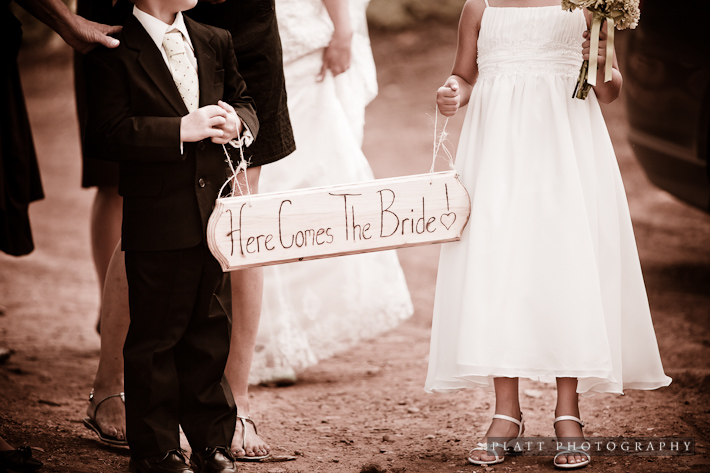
<point>364,410</point>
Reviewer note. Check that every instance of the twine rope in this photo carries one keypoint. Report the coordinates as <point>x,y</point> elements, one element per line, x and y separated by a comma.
<point>439,142</point>
<point>440,139</point>
<point>241,167</point>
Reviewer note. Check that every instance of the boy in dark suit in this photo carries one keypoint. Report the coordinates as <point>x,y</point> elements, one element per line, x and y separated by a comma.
<point>163,104</point>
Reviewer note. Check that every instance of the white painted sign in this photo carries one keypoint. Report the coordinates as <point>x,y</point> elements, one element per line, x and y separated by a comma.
<point>322,222</point>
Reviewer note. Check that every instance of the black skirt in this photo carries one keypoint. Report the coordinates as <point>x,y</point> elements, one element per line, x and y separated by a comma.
<point>20,181</point>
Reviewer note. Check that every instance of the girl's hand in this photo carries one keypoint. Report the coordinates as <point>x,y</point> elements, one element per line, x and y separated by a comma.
<point>601,52</point>
<point>606,92</point>
<point>448,98</point>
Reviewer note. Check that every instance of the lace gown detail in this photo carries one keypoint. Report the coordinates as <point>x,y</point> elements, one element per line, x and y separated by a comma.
<point>315,309</point>
<point>546,280</point>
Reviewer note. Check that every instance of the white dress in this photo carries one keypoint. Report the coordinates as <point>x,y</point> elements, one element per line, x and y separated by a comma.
<point>546,280</point>
<point>314,309</point>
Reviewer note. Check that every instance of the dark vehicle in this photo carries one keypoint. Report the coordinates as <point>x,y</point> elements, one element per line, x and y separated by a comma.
<point>667,84</point>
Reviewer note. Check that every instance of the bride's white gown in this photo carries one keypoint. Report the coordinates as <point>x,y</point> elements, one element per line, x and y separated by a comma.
<point>314,309</point>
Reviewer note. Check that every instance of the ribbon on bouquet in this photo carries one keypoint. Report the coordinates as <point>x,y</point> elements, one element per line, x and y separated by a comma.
<point>598,19</point>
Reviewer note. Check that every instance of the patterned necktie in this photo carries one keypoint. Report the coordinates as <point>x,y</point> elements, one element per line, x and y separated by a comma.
<point>184,73</point>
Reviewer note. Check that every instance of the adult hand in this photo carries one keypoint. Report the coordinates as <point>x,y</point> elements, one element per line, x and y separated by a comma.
<point>336,57</point>
<point>78,32</point>
<point>84,35</point>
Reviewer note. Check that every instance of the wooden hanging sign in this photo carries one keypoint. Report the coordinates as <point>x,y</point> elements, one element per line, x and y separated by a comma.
<point>322,222</point>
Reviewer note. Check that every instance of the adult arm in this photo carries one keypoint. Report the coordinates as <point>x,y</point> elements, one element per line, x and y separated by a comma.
<point>235,88</point>
<point>78,32</point>
<point>337,54</point>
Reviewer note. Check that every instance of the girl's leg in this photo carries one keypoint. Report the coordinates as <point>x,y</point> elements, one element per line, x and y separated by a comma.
<point>507,403</point>
<point>568,431</point>
<point>247,285</point>
<point>115,318</point>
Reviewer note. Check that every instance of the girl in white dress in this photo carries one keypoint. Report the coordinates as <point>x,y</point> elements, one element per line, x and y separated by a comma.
<point>314,309</point>
<point>546,282</point>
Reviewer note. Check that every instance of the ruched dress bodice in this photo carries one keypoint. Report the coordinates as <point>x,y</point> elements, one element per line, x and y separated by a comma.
<point>530,41</point>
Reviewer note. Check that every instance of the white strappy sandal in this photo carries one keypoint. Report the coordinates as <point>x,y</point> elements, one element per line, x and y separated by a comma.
<point>483,447</point>
<point>574,451</point>
<point>245,458</point>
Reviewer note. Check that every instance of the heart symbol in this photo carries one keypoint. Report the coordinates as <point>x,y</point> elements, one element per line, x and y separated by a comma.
<point>448,219</point>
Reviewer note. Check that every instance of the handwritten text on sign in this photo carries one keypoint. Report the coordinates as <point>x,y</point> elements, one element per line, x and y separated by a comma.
<point>338,220</point>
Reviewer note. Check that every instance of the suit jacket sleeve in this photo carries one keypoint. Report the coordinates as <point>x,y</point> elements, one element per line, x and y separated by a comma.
<point>235,87</point>
<point>112,132</point>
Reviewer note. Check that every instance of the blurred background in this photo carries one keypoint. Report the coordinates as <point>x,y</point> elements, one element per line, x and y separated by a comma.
<point>364,410</point>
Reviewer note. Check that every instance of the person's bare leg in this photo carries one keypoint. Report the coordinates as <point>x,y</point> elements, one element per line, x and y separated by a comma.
<point>507,403</point>
<point>115,319</point>
<point>106,216</point>
<point>247,286</point>
<point>568,431</point>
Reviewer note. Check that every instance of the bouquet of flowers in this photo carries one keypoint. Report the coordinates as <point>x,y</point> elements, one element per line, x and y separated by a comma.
<point>621,14</point>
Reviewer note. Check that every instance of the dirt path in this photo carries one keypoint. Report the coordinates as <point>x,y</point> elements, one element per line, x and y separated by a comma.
<point>365,409</point>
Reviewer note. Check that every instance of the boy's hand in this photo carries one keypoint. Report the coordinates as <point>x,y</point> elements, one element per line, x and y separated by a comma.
<point>205,122</point>
<point>447,97</point>
<point>232,126</point>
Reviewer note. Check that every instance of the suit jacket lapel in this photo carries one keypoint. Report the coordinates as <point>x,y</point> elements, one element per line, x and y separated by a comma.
<point>205,54</point>
<point>152,61</point>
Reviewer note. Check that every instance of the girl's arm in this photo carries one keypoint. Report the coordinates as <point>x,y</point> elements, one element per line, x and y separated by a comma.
<point>336,56</point>
<point>456,92</point>
<point>606,92</point>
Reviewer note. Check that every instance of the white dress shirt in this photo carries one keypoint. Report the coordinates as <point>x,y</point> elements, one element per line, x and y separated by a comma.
<point>157,29</point>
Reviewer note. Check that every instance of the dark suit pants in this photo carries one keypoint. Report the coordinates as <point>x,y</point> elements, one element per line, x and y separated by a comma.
<point>175,352</point>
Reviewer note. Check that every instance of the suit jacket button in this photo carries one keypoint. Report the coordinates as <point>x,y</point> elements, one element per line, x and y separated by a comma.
<point>201,146</point>
<point>201,182</point>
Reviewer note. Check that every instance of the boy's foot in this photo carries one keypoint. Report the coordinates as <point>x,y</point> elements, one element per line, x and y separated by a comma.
<point>500,429</point>
<point>568,430</point>
<point>213,460</point>
<point>173,461</point>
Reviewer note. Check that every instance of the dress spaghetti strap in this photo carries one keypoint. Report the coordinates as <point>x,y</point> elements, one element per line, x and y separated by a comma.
<point>487,5</point>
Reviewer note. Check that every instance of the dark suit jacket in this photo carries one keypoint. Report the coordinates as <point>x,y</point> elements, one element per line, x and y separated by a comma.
<point>134,113</point>
<point>258,48</point>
